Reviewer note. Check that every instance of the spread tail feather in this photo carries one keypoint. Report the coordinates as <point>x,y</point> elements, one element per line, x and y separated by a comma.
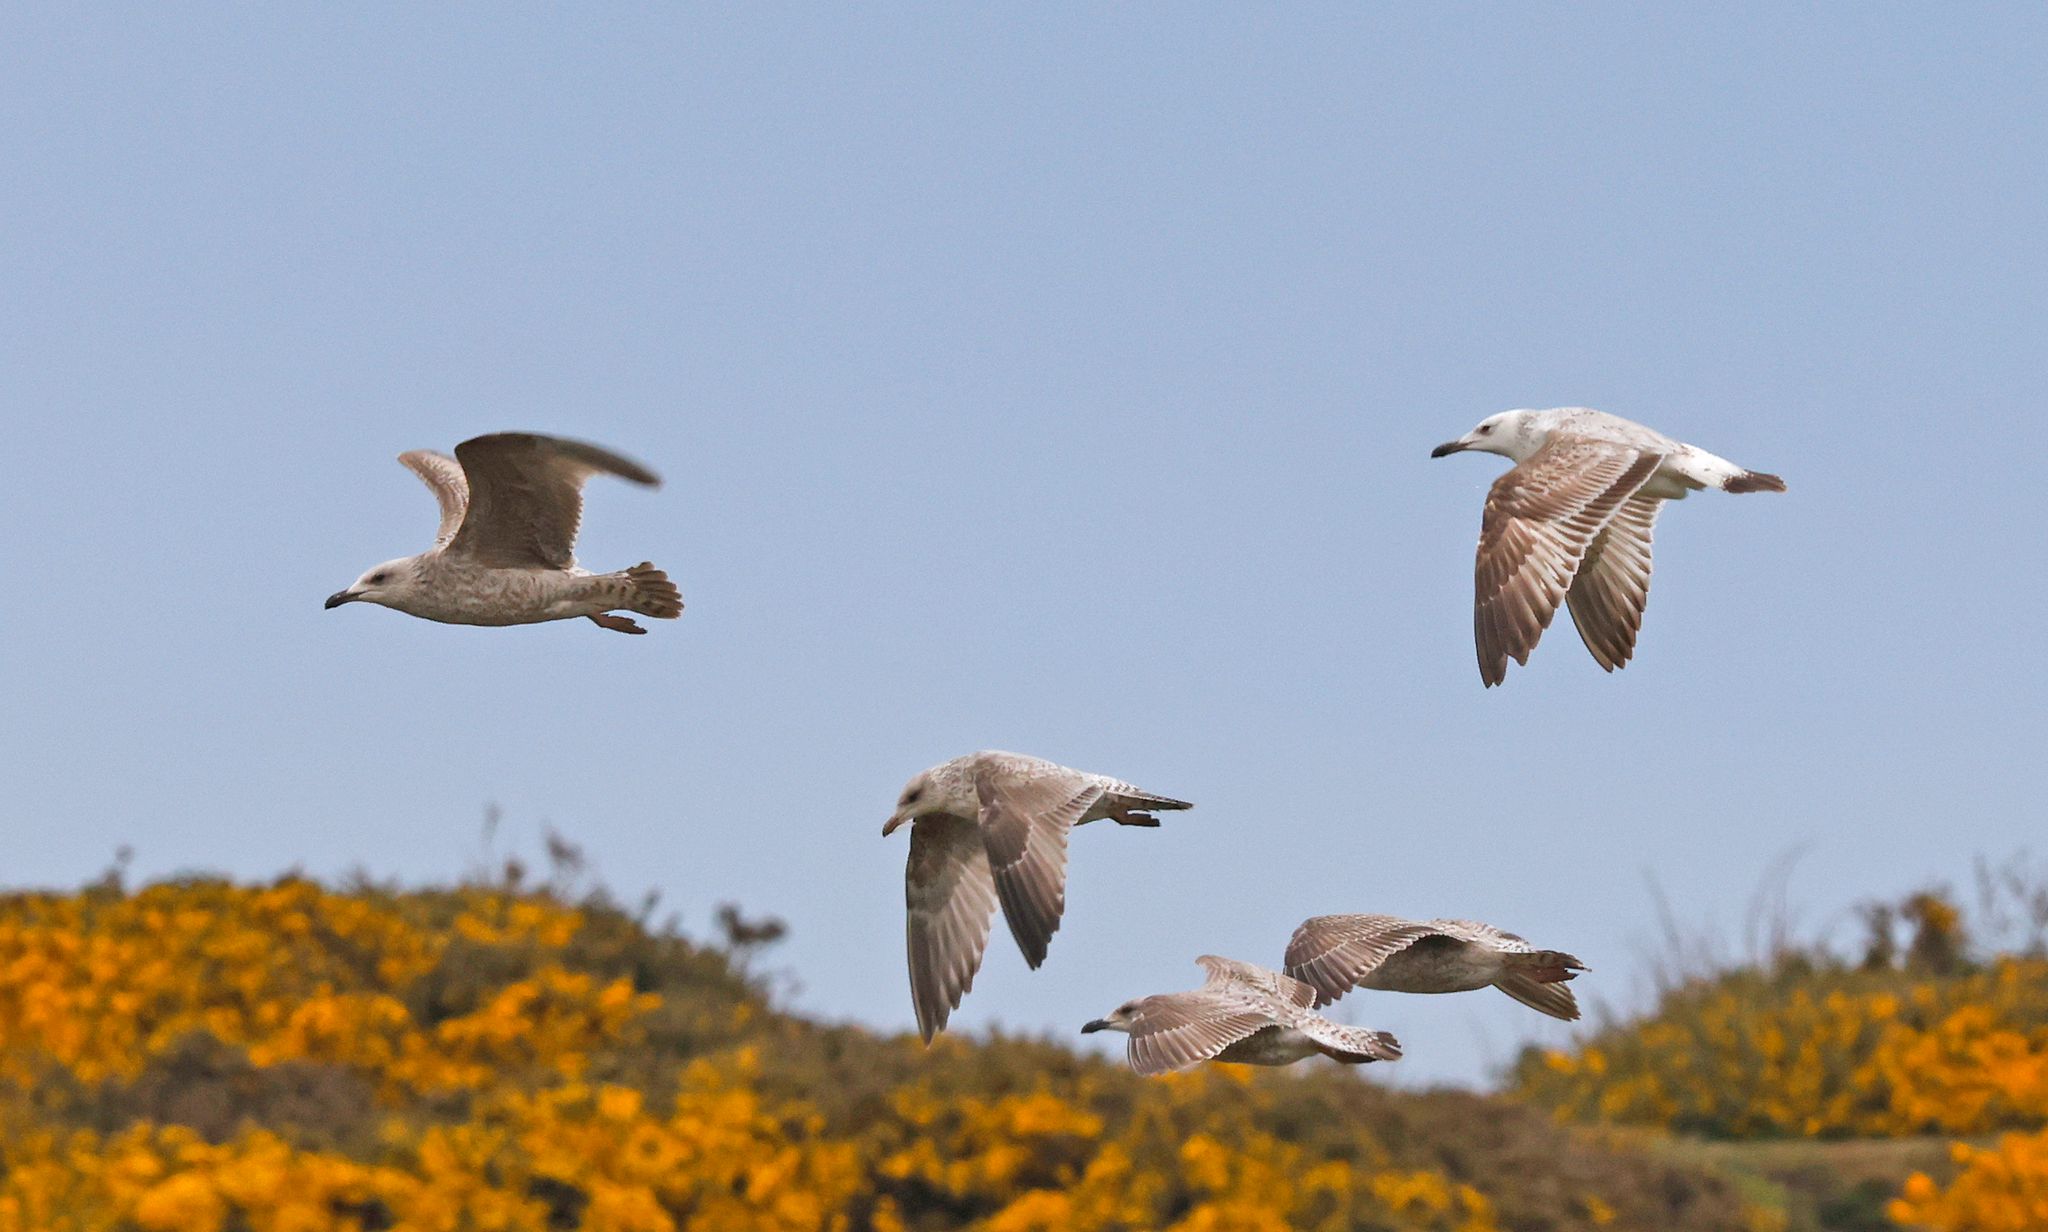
<point>650,593</point>
<point>1538,980</point>
<point>1752,481</point>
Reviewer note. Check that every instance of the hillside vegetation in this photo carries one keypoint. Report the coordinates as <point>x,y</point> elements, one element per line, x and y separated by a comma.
<point>202,1056</point>
<point>1929,1039</point>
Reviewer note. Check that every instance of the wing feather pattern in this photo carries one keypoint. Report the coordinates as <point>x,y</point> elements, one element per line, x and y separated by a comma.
<point>1612,587</point>
<point>526,497</point>
<point>951,898</point>
<point>1181,1030</point>
<point>1025,820</point>
<point>1332,953</point>
<point>1540,519</point>
<point>443,477</point>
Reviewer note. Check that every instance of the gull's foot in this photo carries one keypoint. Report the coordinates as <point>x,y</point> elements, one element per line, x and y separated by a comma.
<point>617,624</point>
<point>1124,818</point>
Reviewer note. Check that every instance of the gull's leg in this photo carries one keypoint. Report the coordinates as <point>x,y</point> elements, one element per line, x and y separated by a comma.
<point>618,624</point>
<point>1124,816</point>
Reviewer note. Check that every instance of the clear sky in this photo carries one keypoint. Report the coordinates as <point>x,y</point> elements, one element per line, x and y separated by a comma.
<point>1050,378</point>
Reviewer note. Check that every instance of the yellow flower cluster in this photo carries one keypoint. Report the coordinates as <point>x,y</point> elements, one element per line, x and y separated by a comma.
<point>101,983</point>
<point>1826,1054</point>
<point>1045,1164</point>
<point>572,1156</point>
<point>2000,1189</point>
<point>205,1057</point>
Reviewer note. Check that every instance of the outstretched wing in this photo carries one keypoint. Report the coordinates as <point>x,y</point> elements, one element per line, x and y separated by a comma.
<point>1179,1030</point>
<point>1333,952</point>
<point>951,899</point>
<point>443,477</point>
<point>1540,519</point>
<point>1025,818</point>
<point>526,497</point>
<point>1287,996</point>
<point>1612,587</point>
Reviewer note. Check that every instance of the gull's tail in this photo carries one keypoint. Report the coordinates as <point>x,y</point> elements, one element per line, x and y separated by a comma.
<point>1351,1045</point>
<point>650,593</point>
<point>1537,980</point>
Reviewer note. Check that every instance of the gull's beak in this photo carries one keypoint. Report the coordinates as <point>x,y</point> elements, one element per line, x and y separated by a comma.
<point>1093,1025</point>
<point>889,826</point>
<point>338,598</point>
<point>1449,447</point>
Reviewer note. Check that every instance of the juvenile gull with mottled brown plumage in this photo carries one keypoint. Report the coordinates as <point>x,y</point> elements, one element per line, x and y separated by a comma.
<point>1336,953</point>
<point>1244,1015</point>
<point>505,554</point>
<point>991,828</point>
<point>1572,522</point>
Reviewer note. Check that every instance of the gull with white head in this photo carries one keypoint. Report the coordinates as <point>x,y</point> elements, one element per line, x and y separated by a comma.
<point>1336,953</point>
<point>1244,1015</point>
<point>510,506</point>
<point>1572,521</point>
<point>990,829</point>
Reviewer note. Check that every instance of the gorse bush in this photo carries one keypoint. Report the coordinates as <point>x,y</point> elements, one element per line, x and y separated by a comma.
<point>1912,1039</point>
<point>210,1057</point>
<point>1905,1041</point>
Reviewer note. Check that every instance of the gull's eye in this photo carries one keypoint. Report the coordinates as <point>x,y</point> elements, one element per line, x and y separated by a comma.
<point>1485,428</point>
<point>376,578</point>
<point>910,797</point>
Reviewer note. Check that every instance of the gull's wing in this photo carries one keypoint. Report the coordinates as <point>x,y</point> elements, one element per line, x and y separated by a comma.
<point>1540,518</point>
<point>1333,952</point>
<point>1613,583</point>
<point>443,477</point>
<point>1287,995</point>
<point>951,899</point>
<point>1025,817</point>
<point>1179,1030</point>
<point>526,497</point>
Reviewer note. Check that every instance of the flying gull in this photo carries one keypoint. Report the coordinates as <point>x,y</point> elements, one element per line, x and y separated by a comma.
<point>1243,1014</point>
<point>1572,522</point>
<point>992,828</point>
<point>1336,953</point>
<point>510,505</point>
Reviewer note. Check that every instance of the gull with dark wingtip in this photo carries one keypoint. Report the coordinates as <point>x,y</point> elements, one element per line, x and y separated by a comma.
<point>1244,1015</point>
<point>987,829</point>
<point>1336,953</point>
<point>1571,523</point>
<point>510,506</point>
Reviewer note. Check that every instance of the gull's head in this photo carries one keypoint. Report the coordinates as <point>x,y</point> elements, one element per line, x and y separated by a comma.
<point>1122,1018</point>
<point>388,584</point>
<point>1511,434</point>
<point>917,799</point>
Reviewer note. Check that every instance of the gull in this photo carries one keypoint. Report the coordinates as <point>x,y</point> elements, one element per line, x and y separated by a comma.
<point>1243,1014</point>
<point>991,828</point>
<point>1572,522</point>
<point>1336,953</point>
<point>510,505</point>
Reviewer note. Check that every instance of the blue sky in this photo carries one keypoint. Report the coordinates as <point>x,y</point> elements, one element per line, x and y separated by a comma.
<point>1051,378</point>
